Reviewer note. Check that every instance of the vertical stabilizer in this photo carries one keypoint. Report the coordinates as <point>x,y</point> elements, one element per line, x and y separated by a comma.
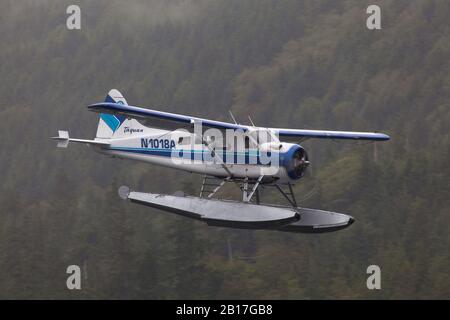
<point>109,123</point>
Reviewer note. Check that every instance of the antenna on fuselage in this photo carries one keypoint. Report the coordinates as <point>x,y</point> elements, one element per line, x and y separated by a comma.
<point>232,117</point>
<point>251,121</point>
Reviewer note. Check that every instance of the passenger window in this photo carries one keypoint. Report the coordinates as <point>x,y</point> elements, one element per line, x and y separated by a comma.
<point>184,141</point>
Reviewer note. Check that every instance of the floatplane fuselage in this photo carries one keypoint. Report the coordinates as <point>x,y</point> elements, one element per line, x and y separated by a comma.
<point>222,152</point>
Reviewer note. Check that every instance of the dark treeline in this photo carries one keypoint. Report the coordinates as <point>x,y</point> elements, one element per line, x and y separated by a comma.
<point>289,63</point>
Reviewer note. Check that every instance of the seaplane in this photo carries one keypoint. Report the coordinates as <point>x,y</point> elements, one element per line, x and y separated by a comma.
<point>247,156</point>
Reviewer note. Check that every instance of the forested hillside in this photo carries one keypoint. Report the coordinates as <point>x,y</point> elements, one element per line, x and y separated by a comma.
<point>287,63</point>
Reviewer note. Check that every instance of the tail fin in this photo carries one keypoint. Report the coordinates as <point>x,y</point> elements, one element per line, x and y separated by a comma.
<point>109,123</point>
<point>63,139</point>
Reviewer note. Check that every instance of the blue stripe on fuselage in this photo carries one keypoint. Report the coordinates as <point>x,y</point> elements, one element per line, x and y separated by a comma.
<point>237,157</point>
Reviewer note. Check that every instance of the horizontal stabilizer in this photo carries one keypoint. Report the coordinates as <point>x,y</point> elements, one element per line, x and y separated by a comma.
<point>63,140</point>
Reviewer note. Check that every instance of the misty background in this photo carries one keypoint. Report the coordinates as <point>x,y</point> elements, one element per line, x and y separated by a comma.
<point>299,64</point>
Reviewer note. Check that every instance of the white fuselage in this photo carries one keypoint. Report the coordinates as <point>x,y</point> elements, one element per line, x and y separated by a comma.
<point>178,150</point>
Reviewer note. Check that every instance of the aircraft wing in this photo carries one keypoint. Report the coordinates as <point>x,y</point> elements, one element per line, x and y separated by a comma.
<point>301,134</point>
<point>167,120</point>
<point>161,119</point>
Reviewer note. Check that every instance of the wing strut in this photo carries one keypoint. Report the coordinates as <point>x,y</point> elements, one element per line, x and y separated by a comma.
<point>218,159</point>
<point>288,195</point>
<point>211,182</point>
<point>247,196</point>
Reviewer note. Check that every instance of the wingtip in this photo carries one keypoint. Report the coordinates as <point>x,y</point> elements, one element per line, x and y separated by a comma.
<point>382,136</point>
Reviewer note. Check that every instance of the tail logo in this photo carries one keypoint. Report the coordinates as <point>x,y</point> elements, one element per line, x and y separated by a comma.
<point>113,121</point>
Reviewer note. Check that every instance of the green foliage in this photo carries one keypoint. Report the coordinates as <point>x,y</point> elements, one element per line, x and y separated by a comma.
<point>301,64</point>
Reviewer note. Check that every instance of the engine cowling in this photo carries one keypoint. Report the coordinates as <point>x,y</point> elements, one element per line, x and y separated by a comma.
<point>295,161</point>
